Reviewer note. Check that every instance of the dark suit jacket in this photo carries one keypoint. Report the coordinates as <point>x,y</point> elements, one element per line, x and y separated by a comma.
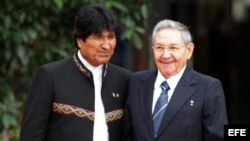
<point>60,104</point>
<point>183,121</point>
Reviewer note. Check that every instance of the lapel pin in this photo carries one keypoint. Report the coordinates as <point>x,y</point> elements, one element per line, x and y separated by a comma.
<point>191,103</point>
<point>115,95</point>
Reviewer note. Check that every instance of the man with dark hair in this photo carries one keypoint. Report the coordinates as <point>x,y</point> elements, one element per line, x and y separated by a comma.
<point>80,98</point>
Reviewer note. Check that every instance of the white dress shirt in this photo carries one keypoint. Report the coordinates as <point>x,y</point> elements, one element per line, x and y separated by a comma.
<point>172,82</point>
<point>100,125</point>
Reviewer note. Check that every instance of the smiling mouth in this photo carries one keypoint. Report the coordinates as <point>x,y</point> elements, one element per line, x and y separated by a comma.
<point>167,62</point>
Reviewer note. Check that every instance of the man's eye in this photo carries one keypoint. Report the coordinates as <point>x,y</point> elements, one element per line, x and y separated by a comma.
<point>98,37</point>
<point>111,37</point>
<point>174,48</point>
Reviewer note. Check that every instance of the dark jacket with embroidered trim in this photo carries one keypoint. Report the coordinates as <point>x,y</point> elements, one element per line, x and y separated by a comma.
<point>60,104</point>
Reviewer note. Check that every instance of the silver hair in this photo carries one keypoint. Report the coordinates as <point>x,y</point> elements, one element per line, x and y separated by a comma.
<point>174,25</point>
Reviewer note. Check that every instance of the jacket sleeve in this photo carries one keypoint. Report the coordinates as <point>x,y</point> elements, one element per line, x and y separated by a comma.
<point>37,108</point>
<point>214,112</point>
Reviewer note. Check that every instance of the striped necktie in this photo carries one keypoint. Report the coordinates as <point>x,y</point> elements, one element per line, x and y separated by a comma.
<point>160,106</point>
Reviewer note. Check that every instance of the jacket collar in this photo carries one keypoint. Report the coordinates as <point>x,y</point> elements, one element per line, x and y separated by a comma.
<point>85,70</point>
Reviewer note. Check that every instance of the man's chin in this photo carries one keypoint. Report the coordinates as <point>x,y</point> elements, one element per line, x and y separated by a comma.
<point>104,60</point>
<point>167,73</point>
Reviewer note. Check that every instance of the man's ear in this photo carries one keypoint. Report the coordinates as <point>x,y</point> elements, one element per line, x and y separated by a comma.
<point>79,42</point>
<point>190,48</point>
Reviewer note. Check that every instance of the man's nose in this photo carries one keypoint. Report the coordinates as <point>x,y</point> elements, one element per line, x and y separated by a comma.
<point>105,43</point>
<point>166,52</point>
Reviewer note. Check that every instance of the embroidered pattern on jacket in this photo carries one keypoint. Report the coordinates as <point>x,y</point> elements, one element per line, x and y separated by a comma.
<point>80,67</point>
<point>105,70</point>
<point>86,72</point>
<point>72,110</point>
<point>83,113</point>
<point>114,115</point>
